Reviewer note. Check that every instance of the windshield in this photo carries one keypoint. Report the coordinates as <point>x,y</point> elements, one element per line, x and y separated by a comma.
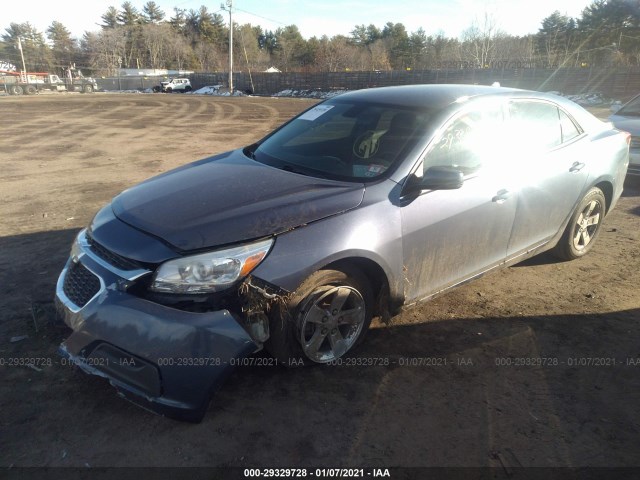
<point>632,108</point>
<point>344,140</point>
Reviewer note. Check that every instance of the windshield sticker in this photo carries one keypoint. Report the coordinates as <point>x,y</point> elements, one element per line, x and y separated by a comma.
<point>375,170</point>
<point>372,170</point>
<point>315,112</point>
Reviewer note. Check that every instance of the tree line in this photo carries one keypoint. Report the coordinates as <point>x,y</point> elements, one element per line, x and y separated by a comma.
<point>606,34</point>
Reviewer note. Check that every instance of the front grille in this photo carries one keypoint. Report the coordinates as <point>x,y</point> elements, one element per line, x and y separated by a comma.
<point>108,256</point>
<point>80,285</point>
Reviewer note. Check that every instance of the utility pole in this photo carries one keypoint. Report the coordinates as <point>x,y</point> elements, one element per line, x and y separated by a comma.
<point>229,6</point>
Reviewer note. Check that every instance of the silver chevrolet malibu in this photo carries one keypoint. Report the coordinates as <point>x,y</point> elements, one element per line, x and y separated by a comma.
<point>362,204</point>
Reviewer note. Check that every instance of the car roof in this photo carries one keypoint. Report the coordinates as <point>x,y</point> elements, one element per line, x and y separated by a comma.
<point>441,96</point>
<point>433,96</point>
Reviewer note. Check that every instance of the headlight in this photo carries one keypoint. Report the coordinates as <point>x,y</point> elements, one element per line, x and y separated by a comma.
<point>209,272</point>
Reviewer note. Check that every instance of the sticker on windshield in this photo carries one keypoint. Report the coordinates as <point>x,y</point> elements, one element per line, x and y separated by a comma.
<point>315,112</point>
<point>372,170</point>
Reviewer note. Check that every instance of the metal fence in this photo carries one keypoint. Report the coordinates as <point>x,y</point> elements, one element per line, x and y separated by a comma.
<point>619,83</point>
<point>128,83</point>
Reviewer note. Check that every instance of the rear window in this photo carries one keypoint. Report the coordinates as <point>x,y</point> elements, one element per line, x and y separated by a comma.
<point>568,127</point>
<point>535,125</point>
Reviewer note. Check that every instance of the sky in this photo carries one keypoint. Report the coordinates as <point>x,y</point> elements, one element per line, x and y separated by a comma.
<point>317,17</point>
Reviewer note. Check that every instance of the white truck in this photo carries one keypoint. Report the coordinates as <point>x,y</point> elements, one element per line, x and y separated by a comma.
<point>29,83</point>
<point>174,85</point>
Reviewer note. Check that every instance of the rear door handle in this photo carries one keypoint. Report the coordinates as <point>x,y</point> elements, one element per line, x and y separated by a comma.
<point>576,167</point>
<point>501,196</point>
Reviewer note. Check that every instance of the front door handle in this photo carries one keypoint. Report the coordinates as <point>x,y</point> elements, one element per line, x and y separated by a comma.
<point>576,167</point>
<point>501,196</point>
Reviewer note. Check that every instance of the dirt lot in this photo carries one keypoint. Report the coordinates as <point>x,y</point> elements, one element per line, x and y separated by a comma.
<point>483,403</point>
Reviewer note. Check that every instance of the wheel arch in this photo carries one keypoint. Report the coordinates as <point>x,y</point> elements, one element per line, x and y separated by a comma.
<point>607,189</point>
<point>387,299</point>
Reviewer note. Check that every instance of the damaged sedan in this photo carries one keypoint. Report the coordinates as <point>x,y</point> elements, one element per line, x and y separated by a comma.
<point>367,202</point>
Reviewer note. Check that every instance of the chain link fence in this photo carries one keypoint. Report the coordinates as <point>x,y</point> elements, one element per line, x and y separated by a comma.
<point>618,83</point>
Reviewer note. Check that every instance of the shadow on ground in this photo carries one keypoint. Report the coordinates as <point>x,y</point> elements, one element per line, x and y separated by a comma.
<point>544,390</point>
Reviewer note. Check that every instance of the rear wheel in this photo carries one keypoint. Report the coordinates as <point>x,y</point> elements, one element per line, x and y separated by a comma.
<point>187,89</point>
<point>30,90</point>
<point>325,318</point>
<point>16,90</point>
<point>584,226</point>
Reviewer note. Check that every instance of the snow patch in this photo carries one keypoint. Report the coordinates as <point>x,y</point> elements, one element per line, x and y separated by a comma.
<point>319,94</point>
<point>588,99</point>
<point>216,90</point>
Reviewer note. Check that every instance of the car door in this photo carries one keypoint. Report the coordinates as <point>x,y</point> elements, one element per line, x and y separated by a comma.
<point>548,170</point>
<point>451,235</point>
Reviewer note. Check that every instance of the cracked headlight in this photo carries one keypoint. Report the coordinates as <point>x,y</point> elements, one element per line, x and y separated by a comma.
<point>209,272</point>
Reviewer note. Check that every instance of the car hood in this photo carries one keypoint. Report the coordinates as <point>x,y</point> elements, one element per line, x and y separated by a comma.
<point>228,199</point>
<point>628,124</point>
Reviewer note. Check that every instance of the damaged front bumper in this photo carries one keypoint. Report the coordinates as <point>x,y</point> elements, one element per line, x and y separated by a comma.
<point>167,360</point>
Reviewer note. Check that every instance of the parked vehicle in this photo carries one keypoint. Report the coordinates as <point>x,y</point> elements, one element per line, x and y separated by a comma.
<point>364,203</point>
<point>627,118</point>
<point>18,83</point>
<point>29,83</point>
<point>181,85</point>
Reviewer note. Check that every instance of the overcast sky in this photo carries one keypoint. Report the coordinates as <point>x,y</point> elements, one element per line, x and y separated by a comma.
<point>314,18</point>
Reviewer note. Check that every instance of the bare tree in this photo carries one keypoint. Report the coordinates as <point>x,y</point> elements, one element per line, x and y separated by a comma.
<point>156,40</point>
<point>379,56</point>
<point>106,50</point>
<point>180,51</point>
<point>209,57</point>
<point>335,54</point>
<point>479,42</point>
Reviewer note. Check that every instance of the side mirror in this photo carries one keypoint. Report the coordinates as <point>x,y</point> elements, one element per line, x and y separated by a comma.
<point>441,178</point>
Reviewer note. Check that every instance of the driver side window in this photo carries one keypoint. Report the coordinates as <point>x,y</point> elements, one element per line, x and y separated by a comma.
<point>468,140</point>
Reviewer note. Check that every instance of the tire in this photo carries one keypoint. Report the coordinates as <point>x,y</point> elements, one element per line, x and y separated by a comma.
<point>168,90</point>
<point>16,90</point>
<point>87,88</point>
<point>187,89</point>
<point>157,89</point>
<point>30,90</point>
<point>314,327</point>
<point>583,228</point>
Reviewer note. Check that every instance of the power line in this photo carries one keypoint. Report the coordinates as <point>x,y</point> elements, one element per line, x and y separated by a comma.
<point>260,16</point>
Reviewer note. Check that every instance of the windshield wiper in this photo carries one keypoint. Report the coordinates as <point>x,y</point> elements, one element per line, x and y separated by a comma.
<point>289,168</point>
<point>306,172</point>
<point>250,151</point>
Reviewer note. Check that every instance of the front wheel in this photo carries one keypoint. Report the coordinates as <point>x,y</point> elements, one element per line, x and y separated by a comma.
<point>584,226</point>
<point>325,318</point>
<point>16,90</point>
<point>87,88</point>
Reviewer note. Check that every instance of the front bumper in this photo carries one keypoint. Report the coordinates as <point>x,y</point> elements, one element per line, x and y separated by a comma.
<point>166,360</point>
